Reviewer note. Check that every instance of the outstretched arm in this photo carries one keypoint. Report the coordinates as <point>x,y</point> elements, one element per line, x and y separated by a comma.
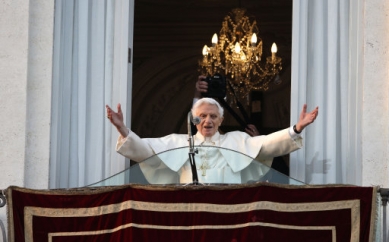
<point>117,120</point>
<point>306,118</point>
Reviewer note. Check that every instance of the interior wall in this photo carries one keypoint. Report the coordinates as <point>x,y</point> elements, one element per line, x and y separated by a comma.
<point>167,48</point>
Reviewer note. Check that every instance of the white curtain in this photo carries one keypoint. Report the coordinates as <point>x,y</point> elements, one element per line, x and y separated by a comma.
<point>90,69</point>
<point>326,54</point>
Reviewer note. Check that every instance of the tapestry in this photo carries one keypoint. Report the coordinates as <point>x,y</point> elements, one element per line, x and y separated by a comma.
<point>209,213</point>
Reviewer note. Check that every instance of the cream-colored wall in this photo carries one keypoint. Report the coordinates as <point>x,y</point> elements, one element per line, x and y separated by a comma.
<point>26,45</point>
<point>375,108</point>
<point>39,75</point>
<point>13,87</point>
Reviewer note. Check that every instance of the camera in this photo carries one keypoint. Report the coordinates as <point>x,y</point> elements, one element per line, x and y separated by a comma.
<point>216,86</point>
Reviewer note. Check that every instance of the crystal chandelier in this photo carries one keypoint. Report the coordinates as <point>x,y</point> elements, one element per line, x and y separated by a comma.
<point>237,55</point>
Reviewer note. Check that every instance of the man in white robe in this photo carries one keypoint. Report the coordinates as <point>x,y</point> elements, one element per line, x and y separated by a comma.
<point>214,165</point>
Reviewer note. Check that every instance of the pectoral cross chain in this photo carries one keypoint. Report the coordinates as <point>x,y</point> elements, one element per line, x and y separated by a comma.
<point>204,167</point>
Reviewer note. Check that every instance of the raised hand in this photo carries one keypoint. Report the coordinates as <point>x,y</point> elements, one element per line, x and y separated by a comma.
<point>201,86</point>
<point>306,118</point>
<point>117,120</point>
<point>252,130</point>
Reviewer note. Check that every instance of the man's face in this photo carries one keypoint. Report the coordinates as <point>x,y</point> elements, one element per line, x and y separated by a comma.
<point>210,119</point>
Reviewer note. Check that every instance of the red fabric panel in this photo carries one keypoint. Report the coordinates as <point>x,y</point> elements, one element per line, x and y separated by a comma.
<point>255,212</point>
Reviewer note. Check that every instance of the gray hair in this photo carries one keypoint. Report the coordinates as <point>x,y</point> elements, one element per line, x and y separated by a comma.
<point>207,100</point>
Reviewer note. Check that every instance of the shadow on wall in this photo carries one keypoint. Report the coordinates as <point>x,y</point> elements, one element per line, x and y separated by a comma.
<point>315,170</point>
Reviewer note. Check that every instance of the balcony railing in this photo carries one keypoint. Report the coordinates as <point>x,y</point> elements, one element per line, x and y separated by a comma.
<point>383,195</point>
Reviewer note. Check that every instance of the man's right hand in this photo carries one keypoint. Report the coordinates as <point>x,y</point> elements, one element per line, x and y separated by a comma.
<point>201,86</point>
<point>252,130</point>
<point>117,120</point>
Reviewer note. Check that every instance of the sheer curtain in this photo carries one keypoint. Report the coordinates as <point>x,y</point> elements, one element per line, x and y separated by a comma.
<point>327,44</point>
<point>90,69</point>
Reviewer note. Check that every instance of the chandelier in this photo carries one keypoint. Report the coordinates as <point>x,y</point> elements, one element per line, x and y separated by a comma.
<point>237,54</point>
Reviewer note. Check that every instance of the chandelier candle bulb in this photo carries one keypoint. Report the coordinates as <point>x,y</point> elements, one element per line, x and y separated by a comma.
<point>237,48</point>
<point>205,50</point>
<point>273,51</point>
<point>214,40</point>
<point>254,40</point>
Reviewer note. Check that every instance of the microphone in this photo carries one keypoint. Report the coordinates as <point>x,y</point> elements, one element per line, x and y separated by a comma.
<point>196,120</point>
<point>192,122</point>
<point>192,150</point>
<point>189,119</point>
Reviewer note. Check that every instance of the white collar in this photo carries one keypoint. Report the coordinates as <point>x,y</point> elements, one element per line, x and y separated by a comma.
<point>200,138</point>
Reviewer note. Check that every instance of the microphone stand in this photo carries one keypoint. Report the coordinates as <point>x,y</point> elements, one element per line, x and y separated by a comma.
<point>192,151</point>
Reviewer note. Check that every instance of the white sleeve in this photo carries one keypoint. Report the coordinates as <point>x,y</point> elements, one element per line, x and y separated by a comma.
<point>134,147</point>
<point>279,143</point>
<point>293,134</point>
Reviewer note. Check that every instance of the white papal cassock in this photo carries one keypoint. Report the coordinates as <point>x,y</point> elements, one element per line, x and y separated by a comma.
<point>222,165</point>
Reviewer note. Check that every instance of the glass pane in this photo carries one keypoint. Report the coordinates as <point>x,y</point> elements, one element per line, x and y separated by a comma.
<point>215,165</point>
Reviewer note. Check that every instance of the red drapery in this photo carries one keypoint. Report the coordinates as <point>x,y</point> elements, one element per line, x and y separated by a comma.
<point>236,213</point>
